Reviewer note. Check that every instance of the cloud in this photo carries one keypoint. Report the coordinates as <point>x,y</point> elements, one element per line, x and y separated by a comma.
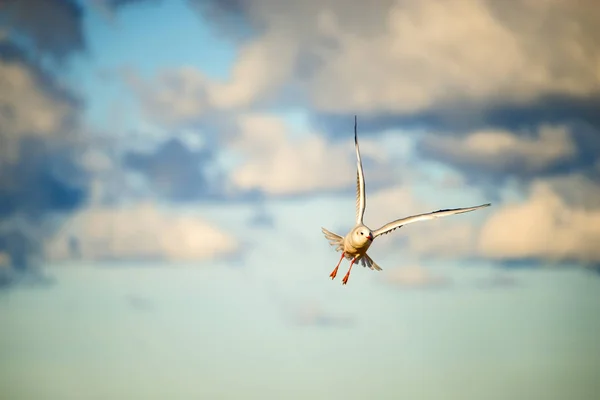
<point>499,152</point>
<point>255,78</point>
<point>183,96</point>
<point>38,167</point>
<point>276,163</point>
<point>407,57</point>
<point>52,27</point>
<point>41,180</point>
<point>385,205</point>
<point>451,237</point>
<point>175,97</point>
<point>5,269</point>
<point>556,222</point>
<point>175,171</point>
<point>546,226</point>
<point>17,245</point>
<point>30,107</point>
<point>138,232</point>
<point>497,281</point>
<point>114,4</point>
<point>414,277</point>
<point>39,143</point>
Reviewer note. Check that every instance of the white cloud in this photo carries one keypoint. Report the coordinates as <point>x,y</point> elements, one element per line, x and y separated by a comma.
<point>432,54</point>
<point>255,74</point>
<point>180,96</point>
<point>280,165</point>
<point>402,56</point>
<point>391,203</point>
<point>26,109</point>
<point>545,226</point>
<point>502,151</point>
<point>558,221</point>
<point>414,277</point>
<point>138,232</point>
<point>451,237</point>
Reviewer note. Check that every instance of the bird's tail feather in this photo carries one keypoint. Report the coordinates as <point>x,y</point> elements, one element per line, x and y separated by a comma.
<point>334,240</point>
<point>367,261</point>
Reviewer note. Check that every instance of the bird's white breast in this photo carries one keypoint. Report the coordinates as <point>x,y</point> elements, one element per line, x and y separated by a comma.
<point>355,249</point>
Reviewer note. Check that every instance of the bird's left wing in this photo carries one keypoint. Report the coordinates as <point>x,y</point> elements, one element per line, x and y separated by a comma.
<point>361,198</point>
<point>387,228</point>
<point>367,261</point>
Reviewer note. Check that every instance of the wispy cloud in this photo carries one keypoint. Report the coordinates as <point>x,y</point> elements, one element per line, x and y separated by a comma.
<point>138,232</point>
<point>415,277</point>
<point>502,153</point>
<point>544,226</point>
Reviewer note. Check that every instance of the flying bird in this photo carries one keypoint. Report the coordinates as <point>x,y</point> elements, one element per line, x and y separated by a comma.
<point>355,244</point>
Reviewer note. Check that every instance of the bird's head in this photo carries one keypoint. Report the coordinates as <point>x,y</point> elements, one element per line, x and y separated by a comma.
<point>362,235</point>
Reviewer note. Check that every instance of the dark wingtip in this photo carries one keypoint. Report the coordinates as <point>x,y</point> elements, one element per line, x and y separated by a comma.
<point>355,139</point>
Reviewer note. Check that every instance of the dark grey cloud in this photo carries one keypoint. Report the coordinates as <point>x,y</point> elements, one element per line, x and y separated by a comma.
<point>39,183</point>
<point>114,4</point>
<point>176,172</point>
<point>577,111</point>
<point>51,27</point>
<point>447,130</point>
<point>40,136</point>
<point>39,172</point>
<point>42,180</point>
<point>230,17</point>
<point>523,154</point>
<point>19,247</point>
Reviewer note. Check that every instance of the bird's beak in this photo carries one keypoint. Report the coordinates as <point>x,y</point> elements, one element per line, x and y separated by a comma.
<point>370,237</point>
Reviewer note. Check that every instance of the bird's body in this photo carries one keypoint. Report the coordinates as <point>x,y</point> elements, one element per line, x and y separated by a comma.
<point>355,244</point>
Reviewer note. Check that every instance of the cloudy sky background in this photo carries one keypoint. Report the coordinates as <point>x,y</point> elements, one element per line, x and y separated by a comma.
<point>166,168</point>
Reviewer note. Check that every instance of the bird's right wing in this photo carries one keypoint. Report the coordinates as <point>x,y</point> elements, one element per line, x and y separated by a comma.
<point>387,228</point>
<point>361,198</point>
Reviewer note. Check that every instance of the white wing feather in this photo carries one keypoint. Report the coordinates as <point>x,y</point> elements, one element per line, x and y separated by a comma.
<point>334,239</point>
<point>387,228</point>
<point>361,199</point>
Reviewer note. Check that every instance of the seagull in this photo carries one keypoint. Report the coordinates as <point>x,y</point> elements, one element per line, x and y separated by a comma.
<point>355,244</point>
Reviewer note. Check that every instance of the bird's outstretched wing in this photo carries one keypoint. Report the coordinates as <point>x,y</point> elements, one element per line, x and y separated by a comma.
<point>334,239</point>
<point>387,228</point>
<point>361,198</point>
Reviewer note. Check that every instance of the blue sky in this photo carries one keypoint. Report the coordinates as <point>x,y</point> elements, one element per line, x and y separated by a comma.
<point>125,40</point>
<point>167,167</point>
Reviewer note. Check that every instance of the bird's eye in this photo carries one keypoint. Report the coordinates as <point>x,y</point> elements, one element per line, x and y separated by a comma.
<point>362,233</point>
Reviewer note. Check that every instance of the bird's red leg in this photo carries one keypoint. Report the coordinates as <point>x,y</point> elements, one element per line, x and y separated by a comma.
<point>334,272</point>
<point>345,280</point>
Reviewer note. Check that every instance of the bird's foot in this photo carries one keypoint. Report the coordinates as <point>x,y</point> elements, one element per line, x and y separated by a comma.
<point>345,280</point>
<point>333,273</point>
